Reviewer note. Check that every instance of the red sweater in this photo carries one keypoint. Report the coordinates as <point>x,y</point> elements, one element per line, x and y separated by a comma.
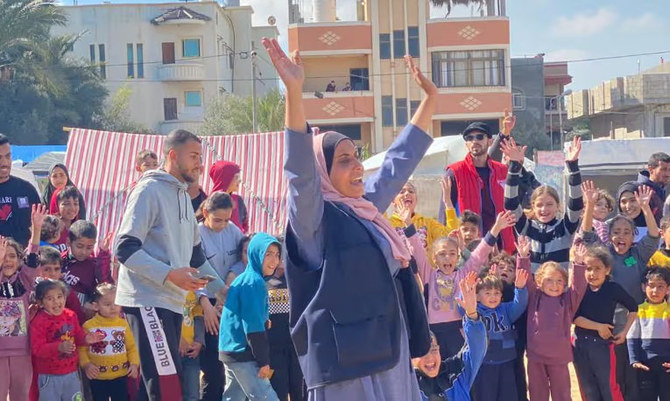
<point>46,333</point>
<point>84,276</point>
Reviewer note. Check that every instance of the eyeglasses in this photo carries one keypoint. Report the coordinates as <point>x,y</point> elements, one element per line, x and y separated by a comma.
<point>472,137</point>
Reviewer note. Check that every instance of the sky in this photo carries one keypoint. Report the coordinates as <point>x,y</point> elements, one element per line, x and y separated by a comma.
<point>564,30</point>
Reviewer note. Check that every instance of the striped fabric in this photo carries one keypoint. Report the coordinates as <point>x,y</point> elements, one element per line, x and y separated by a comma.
<point>649,336</point>
<point>102,166</point>
<point>552,241</point>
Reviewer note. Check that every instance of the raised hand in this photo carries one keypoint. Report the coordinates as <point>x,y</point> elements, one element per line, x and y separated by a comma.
<point>512,151</point>
<point>458,236</point>
<point>107,241</point>
<point>290,70</point>
<point>446,184</point>
<point>579,253</point>
<point>576,147</point>
<point>426,85</point>
<point>521,278</point>
<point>590,192</point>
<point>523,246</point>
<point>468,299</point>
<point>404,213</point>
<point>508,123</point>
<point>37,215</point>
<point>503,220</point>
<point>643,196</point>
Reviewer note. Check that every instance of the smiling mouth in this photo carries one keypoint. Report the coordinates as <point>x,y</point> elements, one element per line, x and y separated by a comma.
<point>357,181</point>
<point>430,366</point>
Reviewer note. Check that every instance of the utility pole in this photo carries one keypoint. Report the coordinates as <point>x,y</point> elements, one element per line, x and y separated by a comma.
<point>253,87</point>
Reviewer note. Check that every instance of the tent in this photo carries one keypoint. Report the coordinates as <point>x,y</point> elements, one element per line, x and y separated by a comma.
<point>43,163</point>
<point>23,173</point>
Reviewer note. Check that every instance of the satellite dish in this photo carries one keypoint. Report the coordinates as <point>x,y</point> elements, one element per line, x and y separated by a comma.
<point>272,20</point>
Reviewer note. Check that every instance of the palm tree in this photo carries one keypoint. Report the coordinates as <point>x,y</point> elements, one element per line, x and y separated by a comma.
<point>24,23</point>
<point>451,3</point>
<point>231,114</point>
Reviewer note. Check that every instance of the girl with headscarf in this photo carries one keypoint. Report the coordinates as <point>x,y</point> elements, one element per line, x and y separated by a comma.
<point>59,178</point>
<point>628,205</point>
<point>226,178</point>
<point>357,315</point>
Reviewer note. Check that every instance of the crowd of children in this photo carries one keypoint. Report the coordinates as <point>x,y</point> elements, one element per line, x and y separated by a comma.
<point>587,285</point>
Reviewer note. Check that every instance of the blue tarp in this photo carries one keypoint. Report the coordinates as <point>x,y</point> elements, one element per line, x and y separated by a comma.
<point>30,153</point>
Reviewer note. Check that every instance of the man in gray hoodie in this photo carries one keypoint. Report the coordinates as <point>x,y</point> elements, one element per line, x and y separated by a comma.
<point>158,245</point>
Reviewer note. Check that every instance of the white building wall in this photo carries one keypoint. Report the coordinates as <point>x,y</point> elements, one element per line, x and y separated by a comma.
<point>116,25</point>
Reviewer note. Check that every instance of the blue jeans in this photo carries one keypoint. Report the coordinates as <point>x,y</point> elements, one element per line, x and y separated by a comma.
<point>242,382</point>
<point>191,378</point>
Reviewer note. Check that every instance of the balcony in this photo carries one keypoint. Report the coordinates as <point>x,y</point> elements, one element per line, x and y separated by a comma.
<point>468,32</point>
<point>472,105</point>
<point>329,39</point>
<point>181,72</point>
<point>339,107</point>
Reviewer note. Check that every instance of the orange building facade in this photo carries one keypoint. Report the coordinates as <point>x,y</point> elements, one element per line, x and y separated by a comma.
<point>374,96</point>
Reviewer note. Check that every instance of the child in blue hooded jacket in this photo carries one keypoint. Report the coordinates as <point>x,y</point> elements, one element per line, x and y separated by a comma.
<point>243,342</point>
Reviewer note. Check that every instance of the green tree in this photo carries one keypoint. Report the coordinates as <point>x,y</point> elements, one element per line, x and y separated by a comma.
<point>451,3</point>
<point>531,135</point>
<point>116,117</point>
<point>231,114</point>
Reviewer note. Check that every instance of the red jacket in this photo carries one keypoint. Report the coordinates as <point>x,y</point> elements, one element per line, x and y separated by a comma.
<point>46,333</point>
<point>84,276</point>
<point>469,185</point>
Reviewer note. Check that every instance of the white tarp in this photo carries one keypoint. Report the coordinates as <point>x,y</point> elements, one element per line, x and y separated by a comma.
<point>620,154</point>
<point>20,172</point>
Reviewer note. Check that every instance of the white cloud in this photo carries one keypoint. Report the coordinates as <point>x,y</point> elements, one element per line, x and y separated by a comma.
<point>584,24</point>
<point>565,55</point>
<point>644,22</point>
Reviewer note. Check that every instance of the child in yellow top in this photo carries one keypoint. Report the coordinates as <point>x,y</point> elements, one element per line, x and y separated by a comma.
<point>428,228</point>
<point>108,363</point>
<point>190,345</point>
<point>661,258</point>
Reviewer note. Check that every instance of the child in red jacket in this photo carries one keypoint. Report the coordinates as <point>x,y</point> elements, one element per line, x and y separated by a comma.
<point>55,334</point>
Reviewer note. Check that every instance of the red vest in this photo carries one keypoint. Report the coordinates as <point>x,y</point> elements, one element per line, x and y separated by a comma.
<point>469,185</point>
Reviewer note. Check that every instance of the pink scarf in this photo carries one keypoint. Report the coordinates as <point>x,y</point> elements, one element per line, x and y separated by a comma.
<point>362,207</point>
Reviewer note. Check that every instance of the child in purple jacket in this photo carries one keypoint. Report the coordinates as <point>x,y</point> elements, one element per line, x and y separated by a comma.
<point>550,312</point>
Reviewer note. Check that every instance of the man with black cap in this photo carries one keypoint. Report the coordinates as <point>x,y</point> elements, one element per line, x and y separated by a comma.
<point>478,182</point>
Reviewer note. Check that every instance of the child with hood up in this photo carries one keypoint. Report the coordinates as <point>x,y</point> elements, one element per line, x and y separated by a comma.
<point>226,178</point>
<point>243,343</point>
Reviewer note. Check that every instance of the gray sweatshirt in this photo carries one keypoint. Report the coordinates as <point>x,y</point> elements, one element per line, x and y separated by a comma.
<point>158,233</point>
<point>221,248</point>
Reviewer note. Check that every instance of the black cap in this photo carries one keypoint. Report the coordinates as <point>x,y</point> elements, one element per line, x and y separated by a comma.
<point>479,127</point>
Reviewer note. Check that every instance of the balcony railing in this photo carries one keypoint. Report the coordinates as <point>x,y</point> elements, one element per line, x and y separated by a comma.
<point>181,72</point>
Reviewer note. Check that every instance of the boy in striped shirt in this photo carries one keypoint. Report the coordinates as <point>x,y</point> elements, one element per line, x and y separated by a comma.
<point>649,338</point>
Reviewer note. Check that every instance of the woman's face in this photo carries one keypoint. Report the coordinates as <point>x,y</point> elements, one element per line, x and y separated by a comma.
<point>58,177</point>
<point>407,197</point>
<point>346,173</point>
<point>629,206</point>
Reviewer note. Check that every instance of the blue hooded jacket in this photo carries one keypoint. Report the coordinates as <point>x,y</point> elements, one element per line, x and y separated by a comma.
<point>242,335</point>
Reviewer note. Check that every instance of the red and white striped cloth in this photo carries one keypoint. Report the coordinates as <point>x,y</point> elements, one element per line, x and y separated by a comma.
<point>102,166</point>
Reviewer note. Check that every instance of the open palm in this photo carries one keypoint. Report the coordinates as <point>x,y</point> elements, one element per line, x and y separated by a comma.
<point>291,71</point>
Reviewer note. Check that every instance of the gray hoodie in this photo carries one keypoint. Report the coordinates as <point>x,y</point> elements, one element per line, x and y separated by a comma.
<point>158,233</point>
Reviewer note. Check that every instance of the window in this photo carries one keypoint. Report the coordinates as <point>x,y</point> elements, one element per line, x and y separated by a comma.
<point>666,126</point>
<point>398,44</point>
<point>518,100</point>
<point>91,50</point>
<point>358,79</point>
<point>140,60</point>
<point>193,99</point>
<point>384,46</point>
<point>413,106</point>
<point>190,48</point>
<point>401,112</point>
<point>170,108</point>
<point>101,57</point>
<point>353,131</point>
<point>413,39</point>
<point>469,68</point>
<point>387,111</point>
<point>131,66</point>
<point>168,52</point>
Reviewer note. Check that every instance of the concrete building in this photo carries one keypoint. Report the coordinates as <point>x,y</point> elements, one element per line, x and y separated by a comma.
<point>468,59</point>
<point>635,106</point>
<point>556,77</point>
<point>528,86</point>
<point>175,57</point>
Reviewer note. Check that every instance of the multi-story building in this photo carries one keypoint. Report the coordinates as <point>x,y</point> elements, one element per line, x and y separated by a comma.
<point>468,59</point>
<point>556,78</point>
<point>174,57</point>
<point>528,85</point>
<point>635,106</point>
